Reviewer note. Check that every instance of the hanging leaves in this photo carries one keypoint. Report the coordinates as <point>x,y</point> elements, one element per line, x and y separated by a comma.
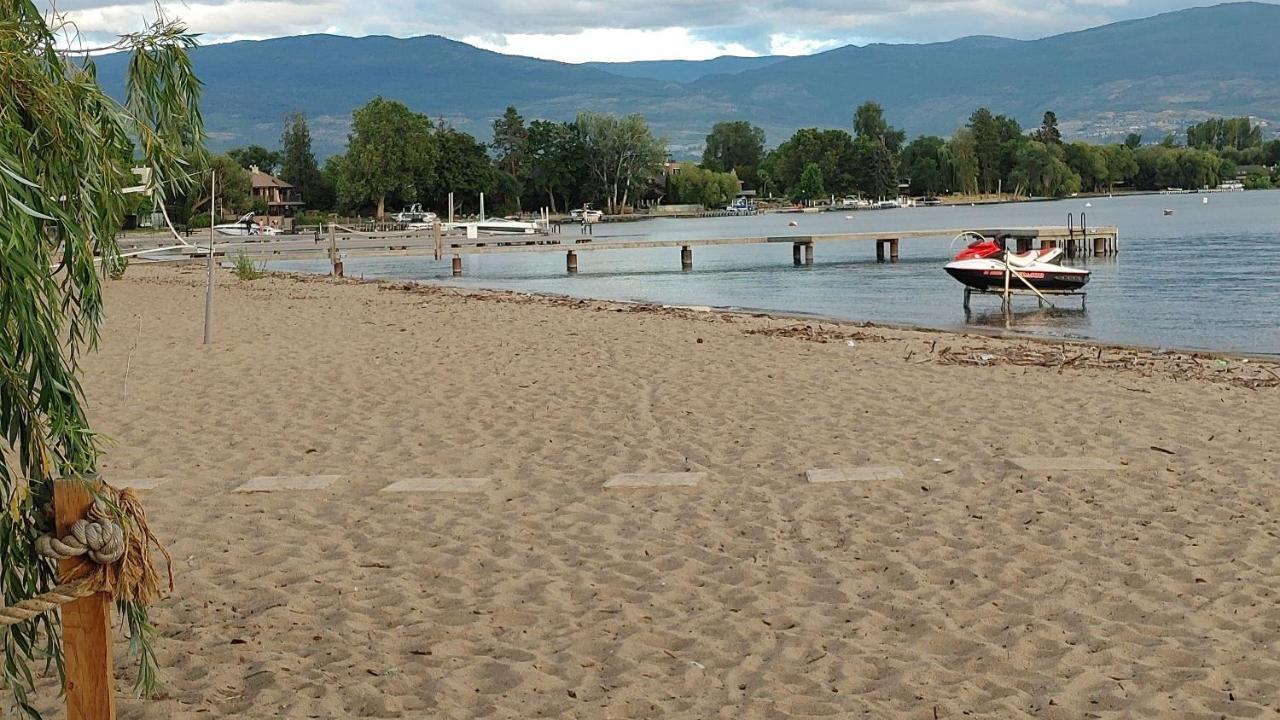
<point>66,151</point>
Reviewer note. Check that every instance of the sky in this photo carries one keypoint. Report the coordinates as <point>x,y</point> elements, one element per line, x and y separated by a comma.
<point>610,30</point>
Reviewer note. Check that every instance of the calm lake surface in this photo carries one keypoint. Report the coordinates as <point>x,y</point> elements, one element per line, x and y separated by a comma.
<point>1207,276</point>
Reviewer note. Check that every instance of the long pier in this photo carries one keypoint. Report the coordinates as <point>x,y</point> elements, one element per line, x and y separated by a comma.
<point>338,244</point>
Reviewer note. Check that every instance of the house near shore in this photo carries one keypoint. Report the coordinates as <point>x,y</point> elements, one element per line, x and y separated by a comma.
<point>281,199</point>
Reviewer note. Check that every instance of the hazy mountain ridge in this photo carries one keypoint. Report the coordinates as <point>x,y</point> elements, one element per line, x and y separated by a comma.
<point>1161,72</point>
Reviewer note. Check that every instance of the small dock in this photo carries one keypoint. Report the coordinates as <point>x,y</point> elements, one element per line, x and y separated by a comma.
<point>337,244</point>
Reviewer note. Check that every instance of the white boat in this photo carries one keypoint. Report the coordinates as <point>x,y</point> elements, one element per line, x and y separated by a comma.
<point>415,217</point>
<point>245,226</point>
<point>586,215</point>
<point>495,226</point>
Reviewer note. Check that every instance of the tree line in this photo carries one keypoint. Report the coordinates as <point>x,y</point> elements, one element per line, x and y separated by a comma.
<point>992,153</point>
<point>396,157</point>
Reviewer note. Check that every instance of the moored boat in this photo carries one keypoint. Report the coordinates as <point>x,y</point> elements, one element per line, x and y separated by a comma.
<point>984,265</point>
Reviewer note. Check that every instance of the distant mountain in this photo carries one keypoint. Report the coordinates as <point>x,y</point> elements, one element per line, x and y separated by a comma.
<point>1155,75</point>
<point>686,71</point>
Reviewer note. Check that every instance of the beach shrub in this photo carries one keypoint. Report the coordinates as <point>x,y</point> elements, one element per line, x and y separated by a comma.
<point>246,269</point>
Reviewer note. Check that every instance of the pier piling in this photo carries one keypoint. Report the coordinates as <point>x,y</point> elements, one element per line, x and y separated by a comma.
<point>457,265</point>
<point>571,262</point>
<point>795,254</point>
<point>686,258</point>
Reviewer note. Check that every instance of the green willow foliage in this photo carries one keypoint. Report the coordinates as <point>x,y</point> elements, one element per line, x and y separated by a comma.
<point>66,152</point>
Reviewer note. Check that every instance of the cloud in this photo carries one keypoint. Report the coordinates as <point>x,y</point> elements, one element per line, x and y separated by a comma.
<point>577,30</point>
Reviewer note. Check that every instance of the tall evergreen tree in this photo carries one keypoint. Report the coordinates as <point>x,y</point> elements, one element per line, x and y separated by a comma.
<point>298,164</point>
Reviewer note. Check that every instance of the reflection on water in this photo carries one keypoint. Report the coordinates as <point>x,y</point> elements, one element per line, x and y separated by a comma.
<point>1206,277</point>
<point>1066,321</point>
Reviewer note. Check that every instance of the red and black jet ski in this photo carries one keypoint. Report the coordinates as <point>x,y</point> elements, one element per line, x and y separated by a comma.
<point>983,263</point>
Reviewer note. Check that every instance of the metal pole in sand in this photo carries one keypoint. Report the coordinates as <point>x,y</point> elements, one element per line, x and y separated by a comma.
<point>208,294</point>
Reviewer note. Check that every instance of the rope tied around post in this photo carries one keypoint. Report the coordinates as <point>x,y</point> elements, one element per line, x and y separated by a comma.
<point>108,551</point>
<point>97,535</point>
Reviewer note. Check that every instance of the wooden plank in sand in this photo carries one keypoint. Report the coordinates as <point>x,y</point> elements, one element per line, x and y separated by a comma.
<point>654,480</point>
<point>863,473</point>
<point>1041,464</point>
<point>273,483</point>
<point>439,485</point>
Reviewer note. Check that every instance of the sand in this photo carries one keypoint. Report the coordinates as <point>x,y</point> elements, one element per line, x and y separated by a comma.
<point>965,587</point>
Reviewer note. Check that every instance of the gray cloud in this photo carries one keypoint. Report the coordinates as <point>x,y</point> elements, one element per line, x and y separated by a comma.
<point>749,24</point>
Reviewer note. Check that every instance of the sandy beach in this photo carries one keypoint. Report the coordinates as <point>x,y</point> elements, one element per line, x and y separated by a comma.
<point>966,587</point>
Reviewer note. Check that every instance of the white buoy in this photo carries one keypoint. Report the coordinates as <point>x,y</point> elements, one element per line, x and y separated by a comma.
<point>848,217</point>
<point>1088,204</point>
<point>793,223</point>
<point>1204,200</point>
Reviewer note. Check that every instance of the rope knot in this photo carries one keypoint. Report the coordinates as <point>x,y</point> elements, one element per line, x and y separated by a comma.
<point>97,536</point>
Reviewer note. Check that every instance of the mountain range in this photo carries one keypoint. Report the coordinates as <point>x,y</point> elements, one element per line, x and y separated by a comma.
<point>1154,75</point>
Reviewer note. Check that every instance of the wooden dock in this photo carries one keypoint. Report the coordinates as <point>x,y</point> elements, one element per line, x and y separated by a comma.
<point>338,244</point>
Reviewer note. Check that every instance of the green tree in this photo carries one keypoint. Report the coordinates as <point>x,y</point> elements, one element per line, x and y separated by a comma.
<point>234,188</point>
<point>1122,166</point>
<point>831,150</point>
<point>510,142</point>
<point>556,162</point>
<point>1222,133</point>
<point>736,146</point>
<point>1089,162</point>
<point>997,140</point>
<point>463,168</point>
<point>696,185</point>
<point>298,164</point>
<point>1039,170</point>
<point>622,154</point>
<point>65,156</point>
<point>961,167</point>
<point>1133,141</point>
<point>926,177</point>
<point>810,185</point>
<point>267,161</point>
<point>389,155</point>
<point>924,160</point>
<point>869,124</point>
<point>875,169</point>
<point>1048,131</point>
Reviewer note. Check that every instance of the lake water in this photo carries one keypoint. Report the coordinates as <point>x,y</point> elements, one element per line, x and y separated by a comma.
<point>1207,276</point>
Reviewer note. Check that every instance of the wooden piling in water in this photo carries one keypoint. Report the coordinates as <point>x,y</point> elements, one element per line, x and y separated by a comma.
<point>808,253</point>
<point>571,262</point>
<point>686,258</point>
<point>795,254</point>
<point>457,265</point>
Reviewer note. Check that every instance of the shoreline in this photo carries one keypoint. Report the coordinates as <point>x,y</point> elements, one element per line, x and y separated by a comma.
<point>798,315</point>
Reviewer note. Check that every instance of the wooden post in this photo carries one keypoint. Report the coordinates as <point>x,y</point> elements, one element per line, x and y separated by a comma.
<point>457,265</point>
<point>438,234</point>
<point>880,250</point>
<point>1099,246</point>
<point>795,253</point>
<point>86,623</point>
<point>334,258</point>
<point>450,208</point>
<point>893,250</point>
<point>808,253</point>
<point>686,258</point>
<point>571,262</point>
<point>208,294</point>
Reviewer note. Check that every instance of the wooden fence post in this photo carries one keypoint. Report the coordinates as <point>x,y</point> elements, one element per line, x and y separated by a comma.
<point>86,623</point>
